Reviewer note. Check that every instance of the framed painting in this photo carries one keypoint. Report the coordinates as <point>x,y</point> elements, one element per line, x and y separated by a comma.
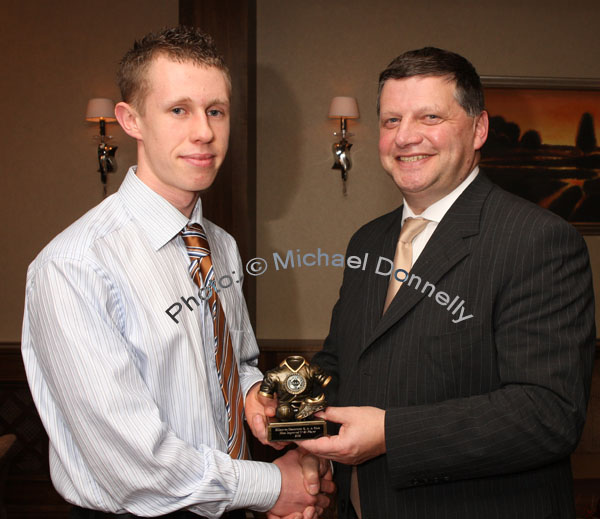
<point>542,144</point>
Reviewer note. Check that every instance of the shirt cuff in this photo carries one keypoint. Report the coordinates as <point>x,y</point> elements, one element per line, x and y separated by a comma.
<point>259,485</point>
<point>249,381</point>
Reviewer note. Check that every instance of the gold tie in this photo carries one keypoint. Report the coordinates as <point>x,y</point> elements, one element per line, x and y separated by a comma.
<point>403,256</point>
<point>402,261</point>
<point>202,272</point>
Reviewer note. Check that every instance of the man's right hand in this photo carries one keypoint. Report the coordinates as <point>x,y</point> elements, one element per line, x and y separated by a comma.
<point>300,472</point>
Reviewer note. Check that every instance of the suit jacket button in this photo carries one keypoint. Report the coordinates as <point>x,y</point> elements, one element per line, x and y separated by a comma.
<point>414,482</point>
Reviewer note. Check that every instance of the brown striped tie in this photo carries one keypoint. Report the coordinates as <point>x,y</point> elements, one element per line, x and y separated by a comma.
<point>202,272</point>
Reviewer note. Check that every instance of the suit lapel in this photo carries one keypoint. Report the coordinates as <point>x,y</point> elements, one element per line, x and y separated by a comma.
<point>373,294</point>
<point>446,247</point>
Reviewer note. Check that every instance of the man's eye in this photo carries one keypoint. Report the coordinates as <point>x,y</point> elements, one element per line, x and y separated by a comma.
<point>391,122</point>
<point>431,117</point>
<point>177,111</point>
<point>214,112</point>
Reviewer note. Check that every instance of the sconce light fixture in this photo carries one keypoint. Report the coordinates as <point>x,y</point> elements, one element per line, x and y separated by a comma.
<point>101,110</point>
<point>344,108</point>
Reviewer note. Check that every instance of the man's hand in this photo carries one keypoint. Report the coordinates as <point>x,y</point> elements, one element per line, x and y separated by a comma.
<point>317,478</point>
<point>309,513</point>
<point>259,409</point>
<point>300,472</point>
<point>317,473</point>
<point>361,437</point>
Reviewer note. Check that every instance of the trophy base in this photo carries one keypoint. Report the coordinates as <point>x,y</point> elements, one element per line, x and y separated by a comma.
<point>290,431</point>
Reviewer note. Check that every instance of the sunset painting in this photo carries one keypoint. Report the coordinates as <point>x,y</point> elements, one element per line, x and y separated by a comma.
<point>542,145</point>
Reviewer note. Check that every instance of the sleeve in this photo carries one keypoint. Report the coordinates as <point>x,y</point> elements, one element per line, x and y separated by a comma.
<point>249,352</point>
<point>543,329</point>
<point>113,451</point>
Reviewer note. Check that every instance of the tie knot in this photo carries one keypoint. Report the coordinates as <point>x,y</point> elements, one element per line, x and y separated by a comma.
<point>193,229</point>
<point>412,227</point>
<point>194,237</point>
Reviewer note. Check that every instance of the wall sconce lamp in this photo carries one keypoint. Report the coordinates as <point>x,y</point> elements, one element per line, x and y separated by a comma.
<point>344,108</point>
<point>102,110</point>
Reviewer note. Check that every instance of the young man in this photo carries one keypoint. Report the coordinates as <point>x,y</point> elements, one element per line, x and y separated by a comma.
<point>138,368</point>
<point>470,368</point>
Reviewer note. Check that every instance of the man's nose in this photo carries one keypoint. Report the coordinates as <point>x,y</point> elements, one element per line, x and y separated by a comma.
<point>407,133</point>
<point>201,130</point>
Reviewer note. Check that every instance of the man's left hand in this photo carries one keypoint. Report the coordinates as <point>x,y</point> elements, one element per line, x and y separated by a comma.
<point>361,437</point>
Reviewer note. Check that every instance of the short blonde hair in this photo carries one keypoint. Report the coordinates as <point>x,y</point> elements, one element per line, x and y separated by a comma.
<point>178,43</point>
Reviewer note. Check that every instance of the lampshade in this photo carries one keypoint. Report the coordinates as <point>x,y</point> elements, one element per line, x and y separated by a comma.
<point>100,108</point>
<point>343,106</point>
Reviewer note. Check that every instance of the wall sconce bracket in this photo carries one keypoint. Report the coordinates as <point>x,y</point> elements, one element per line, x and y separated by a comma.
<point>345,108</point>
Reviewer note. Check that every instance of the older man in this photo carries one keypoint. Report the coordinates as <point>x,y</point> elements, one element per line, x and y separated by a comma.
<point>468,368</point>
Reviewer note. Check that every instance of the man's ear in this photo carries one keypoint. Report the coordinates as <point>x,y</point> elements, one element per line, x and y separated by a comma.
<point>481,129</point>
<point>128,118</point>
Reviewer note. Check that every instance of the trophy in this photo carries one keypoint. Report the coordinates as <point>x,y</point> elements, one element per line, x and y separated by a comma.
<point>296,383</point>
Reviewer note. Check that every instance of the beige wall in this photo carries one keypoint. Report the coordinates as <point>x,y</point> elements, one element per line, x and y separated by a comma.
<point>312,50</point>
<point>55,56</point>
<point>58,54</point>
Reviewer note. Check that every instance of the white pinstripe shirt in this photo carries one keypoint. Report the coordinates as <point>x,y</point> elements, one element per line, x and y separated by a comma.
<point>127,391</point>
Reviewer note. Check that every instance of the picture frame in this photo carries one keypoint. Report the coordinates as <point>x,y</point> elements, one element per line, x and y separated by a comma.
<point>543,143</point>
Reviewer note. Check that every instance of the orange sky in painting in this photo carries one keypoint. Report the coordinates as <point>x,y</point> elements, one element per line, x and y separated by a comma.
<point>555,114</point>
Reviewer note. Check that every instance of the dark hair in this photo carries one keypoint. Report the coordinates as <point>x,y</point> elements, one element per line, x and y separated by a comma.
<point>430,61</point>
<point>178,43</point>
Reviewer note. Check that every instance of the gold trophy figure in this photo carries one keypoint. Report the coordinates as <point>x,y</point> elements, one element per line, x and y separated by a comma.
<point>295,381</point>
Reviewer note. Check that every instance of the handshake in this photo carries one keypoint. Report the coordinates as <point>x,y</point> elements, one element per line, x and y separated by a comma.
<point>306,472</point>
<point>306,480</point>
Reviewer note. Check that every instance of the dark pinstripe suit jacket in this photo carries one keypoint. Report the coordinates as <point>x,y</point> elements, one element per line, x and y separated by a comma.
<point>481,412</point>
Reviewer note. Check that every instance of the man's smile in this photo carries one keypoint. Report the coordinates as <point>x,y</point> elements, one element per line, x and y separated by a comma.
<point>199,159</point>
<point>411,158</point>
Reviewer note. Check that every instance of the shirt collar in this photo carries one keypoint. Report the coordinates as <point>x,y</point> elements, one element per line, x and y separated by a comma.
<point>158,219</point>
<point>435,212</point>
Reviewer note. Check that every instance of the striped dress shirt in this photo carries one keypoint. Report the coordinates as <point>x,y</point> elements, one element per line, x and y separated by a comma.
<point>119,354</point>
